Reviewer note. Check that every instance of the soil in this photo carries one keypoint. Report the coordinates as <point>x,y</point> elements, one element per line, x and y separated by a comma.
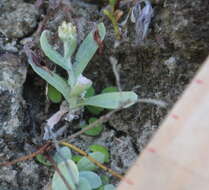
<point>160,68</point>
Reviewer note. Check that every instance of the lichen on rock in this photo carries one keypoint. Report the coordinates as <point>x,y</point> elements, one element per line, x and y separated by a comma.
<point>18,21</point>
<point>12,77</point>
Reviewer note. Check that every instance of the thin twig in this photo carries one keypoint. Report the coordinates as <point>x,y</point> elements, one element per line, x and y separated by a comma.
<point>28,157</point>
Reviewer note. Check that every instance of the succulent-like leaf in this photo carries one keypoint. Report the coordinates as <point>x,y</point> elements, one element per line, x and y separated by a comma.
<point>65,152</point>
<point>57,182</point>
<point>53,94</point>
<point>53,79</point>
<point>40,158</point>
<point>76,158</point>
<point>86,50</point>
<point>112,100</point>
<point>100,148</point>
<point>93,179</point>
<point>52,54</point>
<point>94,131</point>
<point>85,164</point>
<point>83,184</point>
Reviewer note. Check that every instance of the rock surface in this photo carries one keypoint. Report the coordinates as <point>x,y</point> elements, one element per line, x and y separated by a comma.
<point>17,19</point>
<point>12,77</point>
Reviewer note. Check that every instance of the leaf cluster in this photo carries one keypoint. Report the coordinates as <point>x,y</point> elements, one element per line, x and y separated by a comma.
<point>82,176</point>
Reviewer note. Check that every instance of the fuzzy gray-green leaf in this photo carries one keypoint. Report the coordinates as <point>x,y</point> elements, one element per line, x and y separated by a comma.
<point>112,100</point>
<point>52,54</point>
<point>87,49</point>
<point>93,179</point>
<point>83,184</point>
<point>86,164</point>
<point>53,79</point>
<point>65,152</point>
<point>57,182</point>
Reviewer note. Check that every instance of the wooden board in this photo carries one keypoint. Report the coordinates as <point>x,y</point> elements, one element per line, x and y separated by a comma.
<point>177,158</point>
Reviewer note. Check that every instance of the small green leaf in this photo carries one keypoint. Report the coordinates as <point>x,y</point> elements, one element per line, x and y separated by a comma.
<point>53,94</point>
<point>53,79</point>
<point>76,158</point>
<point>85,164</point>
<point>86,50</point>
<point>93,179</point>
<point>57,182</point>
<point>94,131</point>
<point>40,158</point>
<point>109,187</point>
<point>83,184</point>
<point>94,110</point>
<point>90,92</point>
<point>110,89</point>
<point>102,149</point>
<point>112,100</point>
<point>65,152</point>
<point>51,53</point>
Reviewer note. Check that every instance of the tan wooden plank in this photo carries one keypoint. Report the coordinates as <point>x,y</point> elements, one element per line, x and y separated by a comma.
<point>177,158</point>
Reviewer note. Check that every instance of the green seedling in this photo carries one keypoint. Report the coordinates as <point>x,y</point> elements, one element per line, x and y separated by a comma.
<point>83,177</point>
<point>74,87</point>
<point>114,15</point>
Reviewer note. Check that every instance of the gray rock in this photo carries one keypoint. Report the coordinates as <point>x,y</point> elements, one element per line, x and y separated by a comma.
<point>18,21</point>
<point>8,175</point>
<point>12,77</point>
<point>29,171</point>
<point>8,5</point>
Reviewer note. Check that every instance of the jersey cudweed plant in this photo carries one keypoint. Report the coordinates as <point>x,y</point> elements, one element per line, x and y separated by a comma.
<point>74,87</point>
